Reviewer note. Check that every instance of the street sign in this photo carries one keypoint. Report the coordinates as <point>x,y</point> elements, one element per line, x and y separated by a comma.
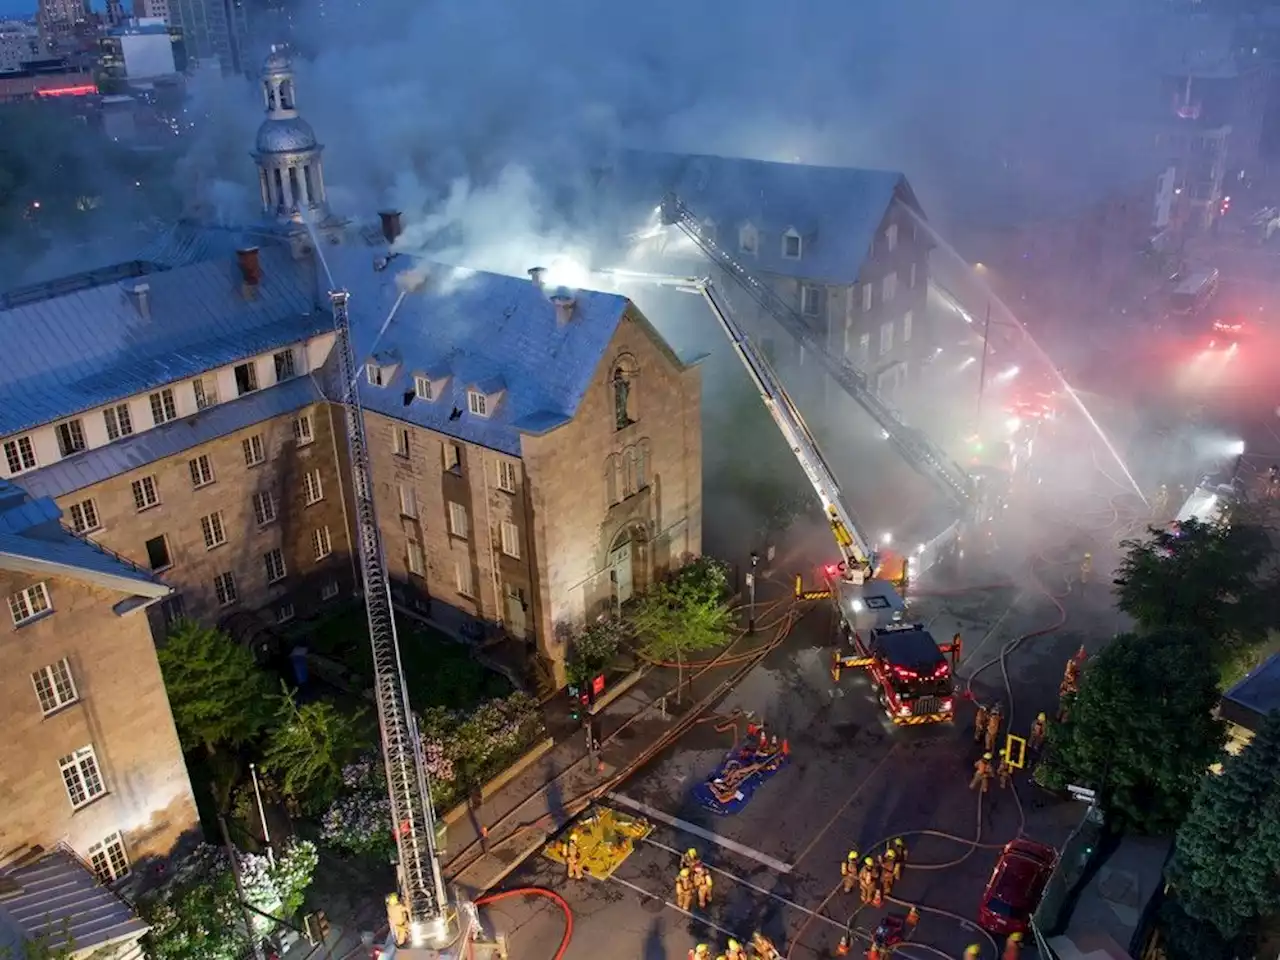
<point>1083,794</point>
<point>751,579</point>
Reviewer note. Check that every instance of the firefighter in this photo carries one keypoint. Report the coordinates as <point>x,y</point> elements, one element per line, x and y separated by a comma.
<point>993,728</point>
<point>763,947</point>
<point>735,951</point>
<point>573,858</point>
<point>868,886</point>
<point>900,855</point>
<point>1070,677</point>
<point>980,723</point>
<point>690,859</point>
<point>1036,740</point>
<point>972,952</point>
<point>842,948</point>
<point>888,871</point>
<point>702,886</point>
<point>684,890</point>
<point>849,872</point>
<point>397,919</point>
<point>1086,568</point>
<point>1012,946</point>
<point>1004,771</point>
<point>913,919</point>
<point>981,774</point>
<point>700,952</point>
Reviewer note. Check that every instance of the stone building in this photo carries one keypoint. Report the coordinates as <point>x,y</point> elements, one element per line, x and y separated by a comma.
<point>90,759</point>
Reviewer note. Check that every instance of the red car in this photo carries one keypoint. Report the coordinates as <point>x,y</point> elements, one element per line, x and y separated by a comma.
<point>1015,887</point>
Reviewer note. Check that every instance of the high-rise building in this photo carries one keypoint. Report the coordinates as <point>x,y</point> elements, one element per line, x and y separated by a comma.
<point>59,20</point>
<point>151,10</point>
<point>213,30</point>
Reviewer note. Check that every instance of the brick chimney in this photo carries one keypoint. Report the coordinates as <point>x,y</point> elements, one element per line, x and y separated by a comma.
<point>250,266</point>
<point>538,276</point>
<point>140,294</point>
<point>390,224</point>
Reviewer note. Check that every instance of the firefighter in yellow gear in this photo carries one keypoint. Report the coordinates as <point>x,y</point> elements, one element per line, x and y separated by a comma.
<point>994,719</point>
<point>913,920</point>
<point>690,859</point>
<point>1070,677</point>
<point>398,919</point>
<point>1012,946</point>
<point>982,774</point>
<point>573,858</point>
<point>684,889</point>
<point>849,872</point>
<point>868,883</point>
<point>980,723</point>
<point>1086,568</point>
<point>700,952</point>
<point>972,952</point>
<point>702,886</point>
<point>1038,729</point>
<point>899,855</point>
<point>1004,771</point>
<point>735,951</point>
<point>888,871</point>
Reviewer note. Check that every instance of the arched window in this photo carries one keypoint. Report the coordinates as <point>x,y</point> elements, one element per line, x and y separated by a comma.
<point>629,476</point>
<point>286,94</point>
<point>270,89</point>
<point>624,404</point>
<point>642,464</point>
<point>611,480</point>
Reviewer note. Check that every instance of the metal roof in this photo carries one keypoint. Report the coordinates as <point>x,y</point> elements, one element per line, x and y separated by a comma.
<point>102,463</point>
<point>1251,699</point>
<point>58,897</point>
<point>33,540</point>
<point>836,210</point>
<point>85,349</point>
<point>486,331</point>
<point>907,646</point>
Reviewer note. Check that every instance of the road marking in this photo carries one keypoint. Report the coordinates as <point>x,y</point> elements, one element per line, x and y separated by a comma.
<point>697,831</point>
<point>688,913</point>
<point>865,780</point>
<point>747,883</point>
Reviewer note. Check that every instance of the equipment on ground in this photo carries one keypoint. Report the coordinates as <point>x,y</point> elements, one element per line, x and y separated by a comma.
<point>605,838</point>
<point>916,680</point>
<point>429,925</point>
<point>744,769</point>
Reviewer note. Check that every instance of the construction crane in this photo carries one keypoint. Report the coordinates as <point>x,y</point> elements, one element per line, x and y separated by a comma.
<point>423,921</point>
<point>916,448</point>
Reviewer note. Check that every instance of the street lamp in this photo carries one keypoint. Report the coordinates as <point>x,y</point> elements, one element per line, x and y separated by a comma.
<point>751,593</point>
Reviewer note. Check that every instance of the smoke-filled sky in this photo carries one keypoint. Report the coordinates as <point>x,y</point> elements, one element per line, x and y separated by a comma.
<point>484,115</point>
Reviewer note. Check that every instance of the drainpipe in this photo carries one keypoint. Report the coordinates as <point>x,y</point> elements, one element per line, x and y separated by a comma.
<point>493,553</point>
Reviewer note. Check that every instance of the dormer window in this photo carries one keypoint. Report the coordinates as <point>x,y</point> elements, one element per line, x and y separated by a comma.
<point>748,239</point>
<point>381,370</point>
<point>422,388</point>
<point>374,374</point>
<point>791,245</point>
<point>478,403</point>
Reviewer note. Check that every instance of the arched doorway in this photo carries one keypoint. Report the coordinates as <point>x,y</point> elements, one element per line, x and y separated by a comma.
<point>628,563</point>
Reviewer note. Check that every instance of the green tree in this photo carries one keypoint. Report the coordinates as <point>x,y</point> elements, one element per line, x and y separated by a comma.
<point>218,694</point>
<point>1226,865</point>
<point>196,915</point>
<point>593,650</point>
<point>1183,937</point>
<point>685,613</point>
<point>1203,578</point>
<point>1141,730</point>
<point>309,746</point>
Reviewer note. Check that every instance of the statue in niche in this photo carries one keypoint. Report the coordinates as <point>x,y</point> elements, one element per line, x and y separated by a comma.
<point>622,399</point>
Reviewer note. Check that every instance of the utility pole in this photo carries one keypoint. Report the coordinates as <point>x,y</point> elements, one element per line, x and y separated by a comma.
<point>245,909</point>
<point>982,366</point>
<point>262,814</point>
<point>751,591</point>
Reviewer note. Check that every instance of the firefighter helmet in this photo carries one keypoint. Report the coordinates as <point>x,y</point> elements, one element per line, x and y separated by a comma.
<point>869,862</point>
<point>1015,938</point>
<point>853,854</point>
<point>702,950</point>
<point>897,842</point>
<point>1041,718</point>
<point>891,854</point>
<point>972,951</point>
<point>734,944</point>
<point>691,852</point>
<point>986,756</point>
<point>684,871</point>
<point>573,838</point>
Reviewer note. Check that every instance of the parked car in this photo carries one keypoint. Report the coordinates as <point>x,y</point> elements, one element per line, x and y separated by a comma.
<point>1016,886</point>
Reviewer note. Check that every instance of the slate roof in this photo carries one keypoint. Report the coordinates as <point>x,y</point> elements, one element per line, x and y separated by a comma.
<point>32,538</point>
<point>484,331</point>
<point>85,349</point>
<point>130,453</point>
<point>58,896</point>
<point>836,210</point>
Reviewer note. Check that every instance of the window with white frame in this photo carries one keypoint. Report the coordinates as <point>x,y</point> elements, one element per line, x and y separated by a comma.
<point>273,561</point>
<point>84,516</point>
<point>911,277</point>
<point>867,292</point>
<point>477,403</point>
<point>224,588</point>
<point>810,300</point>
<point>408,501</point>
<point>303,430</point>
<point>506,476</point>
<point>286,367</point>
<point>463,579</point>
<point>118,420</point>
<point>422,388</point>
<point>458,525</point>
<point>20,455</point>
<point>163,406</point>
<point>206,392</point>
<point>82,777</point>
<point>400,442</point>
<point>312,486</point>
<point>70,435</point>
<point>510,540</point>
<point>889,287</point>
<point>452,453</point>
<point>285,612</point>
<point>864,349</point>
<point>373,373</point>
<point>414,558</point>
<point>146,493</point>
<point>26,605</point>
<point>201,471</point>
<point>321,544</point>
<point>246,375</point>
<point>264,507</point>
<point>255,451</point>
<point>886,337</point>
<point>791,245</point>
<point>109,859</point>
<point>54,687</point>
<point>748,239</point>
<point>891,237</point>
<point>907,319</point>
<point>329,590</point>
<point>211,526</point>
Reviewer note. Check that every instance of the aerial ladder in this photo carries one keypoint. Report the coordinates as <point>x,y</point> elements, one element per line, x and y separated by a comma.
<point>422,923</point>
<point>914,445</point>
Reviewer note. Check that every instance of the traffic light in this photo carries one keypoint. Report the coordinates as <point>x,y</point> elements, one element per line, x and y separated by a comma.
<point>575,702</point>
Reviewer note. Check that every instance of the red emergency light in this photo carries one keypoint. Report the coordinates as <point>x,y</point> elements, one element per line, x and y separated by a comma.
<point>80,90</point>
<point>831,569</point>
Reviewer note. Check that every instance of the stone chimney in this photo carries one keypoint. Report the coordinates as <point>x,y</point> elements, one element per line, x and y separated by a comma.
<point>538,276</point>
<point>140,294</point>
<point>250,266</point>
<point>390,224</point>
<point>565,303</point>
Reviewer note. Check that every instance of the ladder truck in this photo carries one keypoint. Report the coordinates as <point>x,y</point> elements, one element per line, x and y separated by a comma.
<point>422,923</point>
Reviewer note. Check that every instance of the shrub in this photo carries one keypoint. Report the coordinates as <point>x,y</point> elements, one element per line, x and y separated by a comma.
<point>592,651</point>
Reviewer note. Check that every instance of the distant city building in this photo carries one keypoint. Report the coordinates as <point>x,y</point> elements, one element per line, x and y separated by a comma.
<point>214,31</point>
<point>61,20</point>
<point>151,10</point>
<point>143,50</point>
<point>115,13</point>
<point>29,84</point>
<point>20,44</point>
